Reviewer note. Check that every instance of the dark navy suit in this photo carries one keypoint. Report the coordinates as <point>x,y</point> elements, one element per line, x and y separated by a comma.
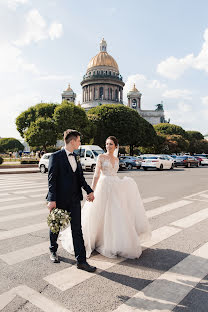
<point>64,187</point>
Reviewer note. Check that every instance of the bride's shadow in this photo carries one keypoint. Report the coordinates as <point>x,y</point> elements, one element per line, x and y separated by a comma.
<point>156,262</point>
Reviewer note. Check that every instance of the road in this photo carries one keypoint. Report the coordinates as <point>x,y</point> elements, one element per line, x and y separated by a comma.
<point>171,274</point>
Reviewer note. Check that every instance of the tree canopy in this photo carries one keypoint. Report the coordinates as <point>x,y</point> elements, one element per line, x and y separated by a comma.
<point>10,145</point>
<point>194,135</point>
<point>42,133</point>
<point>122,122</point>
<point>69,116</point>
<point>169,129</point>
<point>26,118</point>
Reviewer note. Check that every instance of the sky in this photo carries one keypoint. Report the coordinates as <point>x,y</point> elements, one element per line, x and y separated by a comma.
<point>160,45</point>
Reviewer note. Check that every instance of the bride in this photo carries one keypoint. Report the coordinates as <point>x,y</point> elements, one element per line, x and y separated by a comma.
<point>114,224</point>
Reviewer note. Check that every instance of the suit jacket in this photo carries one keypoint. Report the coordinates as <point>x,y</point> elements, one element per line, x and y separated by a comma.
<point>60,180</point>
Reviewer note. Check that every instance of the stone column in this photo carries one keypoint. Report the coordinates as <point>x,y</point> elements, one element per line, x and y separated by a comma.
<point>121,95</point>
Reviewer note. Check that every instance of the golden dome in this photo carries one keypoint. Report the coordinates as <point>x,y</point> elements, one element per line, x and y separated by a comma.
<point>134,89</point>
<point>69,88</point>
<point>103,58</point>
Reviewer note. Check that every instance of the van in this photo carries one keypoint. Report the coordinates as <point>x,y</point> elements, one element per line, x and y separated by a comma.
<point>88,156</point>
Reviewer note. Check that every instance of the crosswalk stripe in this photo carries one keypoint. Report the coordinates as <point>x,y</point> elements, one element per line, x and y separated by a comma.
<point>166,208</point>
<point>172,286</point>
<point>204,195</point>
<point>23,205</point>
<point>39,185</point>
<point>38,195</point>
<point>4,194</point>
<point>192,219</point>
<point>195,194</point>
<point>70,277</point>
<point>3,200</point>
<point>30,191</point>
<point>34,297</point>
<point>23,230</point>
<point>160,234</point>
<point>151,199</point>
<point>23,215</point>
<point>23,254</point>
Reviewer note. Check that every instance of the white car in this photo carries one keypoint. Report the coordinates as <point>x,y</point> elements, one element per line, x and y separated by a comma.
<point>204,161</point>
<point>43,163</point>
<point>158,162</point>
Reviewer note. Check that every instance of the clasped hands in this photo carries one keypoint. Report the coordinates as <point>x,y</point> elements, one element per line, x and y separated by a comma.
<point>91,197</point>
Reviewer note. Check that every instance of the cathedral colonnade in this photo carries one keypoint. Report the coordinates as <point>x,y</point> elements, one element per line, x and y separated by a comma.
<point>102,92</point>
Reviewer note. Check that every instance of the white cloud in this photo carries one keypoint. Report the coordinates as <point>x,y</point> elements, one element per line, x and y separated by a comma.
<point>177,94</point>
<point>79,98</point>
<point>36,29</point>
<point>151,90</point>
<point>55,77</point>
<point>204,100</point>
<point>12,4</point>
<point>55,30</point>
<point>11,60</point>
<point>174,67</point>
<point>182,115</point>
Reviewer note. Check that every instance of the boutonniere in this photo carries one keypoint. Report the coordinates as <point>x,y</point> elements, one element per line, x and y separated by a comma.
<point>78,158</point>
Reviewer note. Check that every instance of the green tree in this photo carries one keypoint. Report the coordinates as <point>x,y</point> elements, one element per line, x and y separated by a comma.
<point>10,145</point>
<point>122,122</point>
<point>69,116</point>
<point>26,118</point>
<point>195,144</point>
<point>42,132</point>
<point>170,129</point>
<point>194,135</point>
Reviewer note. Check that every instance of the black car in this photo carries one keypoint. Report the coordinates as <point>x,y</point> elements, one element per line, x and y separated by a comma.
<point>186,161</point>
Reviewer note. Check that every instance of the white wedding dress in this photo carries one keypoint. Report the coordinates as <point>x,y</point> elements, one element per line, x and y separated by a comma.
<point>114,224</point>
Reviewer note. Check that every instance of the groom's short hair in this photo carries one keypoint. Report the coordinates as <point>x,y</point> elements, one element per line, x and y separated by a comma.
<point>71,134</point>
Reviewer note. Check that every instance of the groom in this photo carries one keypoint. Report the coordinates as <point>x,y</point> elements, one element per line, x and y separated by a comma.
<point>65,179</point>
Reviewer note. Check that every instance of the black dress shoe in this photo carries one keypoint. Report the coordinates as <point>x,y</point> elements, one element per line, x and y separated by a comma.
<point>86,267</point>
<point>54,257</point>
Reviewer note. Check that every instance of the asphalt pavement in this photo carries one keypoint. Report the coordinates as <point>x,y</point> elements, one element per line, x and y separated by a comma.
<point>170,275</point>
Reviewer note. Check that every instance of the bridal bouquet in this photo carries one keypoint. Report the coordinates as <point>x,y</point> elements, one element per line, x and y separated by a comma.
<point>58,219</point>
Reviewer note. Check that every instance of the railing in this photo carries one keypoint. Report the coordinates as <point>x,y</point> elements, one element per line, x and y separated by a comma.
<point>97,76</point>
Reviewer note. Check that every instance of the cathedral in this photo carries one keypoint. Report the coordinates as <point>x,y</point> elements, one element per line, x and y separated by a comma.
<point>103,84</point>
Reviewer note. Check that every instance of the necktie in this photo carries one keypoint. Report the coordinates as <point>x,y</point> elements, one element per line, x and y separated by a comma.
<point>70,154</point>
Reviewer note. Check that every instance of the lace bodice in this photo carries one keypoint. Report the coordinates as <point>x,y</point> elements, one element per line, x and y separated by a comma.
<point>106,167</point>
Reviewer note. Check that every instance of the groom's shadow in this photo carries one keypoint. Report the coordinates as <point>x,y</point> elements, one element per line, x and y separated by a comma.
<point>67,260</point>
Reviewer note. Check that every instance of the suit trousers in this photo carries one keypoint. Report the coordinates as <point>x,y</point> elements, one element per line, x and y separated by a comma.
<point>76,228</point>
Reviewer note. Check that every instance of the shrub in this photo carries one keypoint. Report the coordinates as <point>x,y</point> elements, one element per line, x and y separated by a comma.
<point>29,162</point>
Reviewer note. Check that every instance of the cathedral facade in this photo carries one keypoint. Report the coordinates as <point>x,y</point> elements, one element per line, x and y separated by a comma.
<point>103,84</point>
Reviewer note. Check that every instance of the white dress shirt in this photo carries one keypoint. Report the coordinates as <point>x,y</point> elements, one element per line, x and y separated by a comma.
<point>72,160</point>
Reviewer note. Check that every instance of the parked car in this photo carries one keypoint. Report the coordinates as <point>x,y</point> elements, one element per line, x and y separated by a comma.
<point>131,162</point>
<point>88,156</point>
<point>199,158</point>
<point>186,161</point>
<point>122,164</point>
<point>43,162</point>
<point>158,162</point>
<point>204,161</point>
